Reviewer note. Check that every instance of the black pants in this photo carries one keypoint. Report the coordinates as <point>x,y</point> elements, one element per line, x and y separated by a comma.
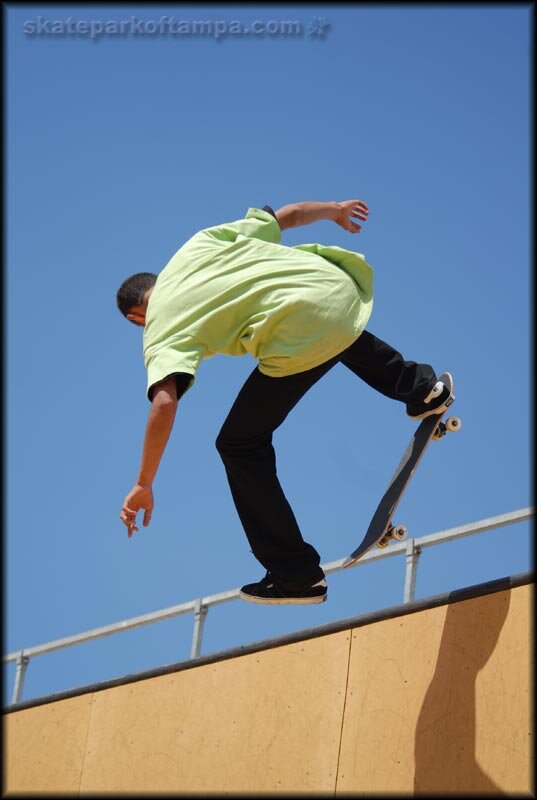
<point>245,445</point>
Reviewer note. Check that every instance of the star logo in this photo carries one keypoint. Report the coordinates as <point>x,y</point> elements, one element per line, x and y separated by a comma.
<point>318,27</point>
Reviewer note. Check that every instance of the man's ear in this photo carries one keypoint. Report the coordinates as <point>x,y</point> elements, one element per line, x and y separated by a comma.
<point>136,317</point>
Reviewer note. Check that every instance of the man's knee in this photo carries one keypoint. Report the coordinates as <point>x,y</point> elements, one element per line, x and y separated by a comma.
<point>227,444</point>
<point>232,446</point>
<point>221,443</point>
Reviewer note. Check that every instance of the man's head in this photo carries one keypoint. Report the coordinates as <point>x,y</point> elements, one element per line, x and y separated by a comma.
<point>133,295</point>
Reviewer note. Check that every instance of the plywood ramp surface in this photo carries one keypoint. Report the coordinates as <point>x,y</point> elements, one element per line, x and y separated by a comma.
<point>45,746</point>
<point>265,721</point>
<point>437,701</point>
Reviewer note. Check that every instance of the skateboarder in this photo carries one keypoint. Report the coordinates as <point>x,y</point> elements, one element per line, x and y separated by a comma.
<point>235,289</point>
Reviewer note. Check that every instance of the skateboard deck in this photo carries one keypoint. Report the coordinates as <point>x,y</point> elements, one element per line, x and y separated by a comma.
<point>381,529</point>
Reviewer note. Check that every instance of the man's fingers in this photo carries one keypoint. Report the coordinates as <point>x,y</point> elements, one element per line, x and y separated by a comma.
<point>130,522</point>
<point>128,517</point>
<point>138,500</point>
<point>353,210</point>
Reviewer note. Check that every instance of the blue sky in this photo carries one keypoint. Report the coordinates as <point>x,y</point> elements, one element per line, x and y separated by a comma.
<point>118,150</point>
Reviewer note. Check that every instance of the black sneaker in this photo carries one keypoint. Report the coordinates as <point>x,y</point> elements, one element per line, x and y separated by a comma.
<point>269,591</point>
<point>436,402</point>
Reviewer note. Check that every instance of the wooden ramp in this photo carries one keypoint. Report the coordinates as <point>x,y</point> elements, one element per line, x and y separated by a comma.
<point>431,697</point>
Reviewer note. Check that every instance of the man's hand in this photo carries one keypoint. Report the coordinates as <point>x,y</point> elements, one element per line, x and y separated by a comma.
<point>138,497</point>
<point>349,209</point>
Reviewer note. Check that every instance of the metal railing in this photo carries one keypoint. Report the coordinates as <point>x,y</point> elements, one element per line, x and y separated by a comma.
<point>411,548</point>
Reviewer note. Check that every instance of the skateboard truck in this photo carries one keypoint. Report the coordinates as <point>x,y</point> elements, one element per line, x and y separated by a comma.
<point>398,532</point>
<point>452,424</point>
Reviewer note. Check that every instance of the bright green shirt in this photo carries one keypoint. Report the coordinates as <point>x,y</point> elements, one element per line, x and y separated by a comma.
<point>235,289</point>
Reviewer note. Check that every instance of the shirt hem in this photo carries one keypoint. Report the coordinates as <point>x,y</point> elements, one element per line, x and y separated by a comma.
<point>316,362</point>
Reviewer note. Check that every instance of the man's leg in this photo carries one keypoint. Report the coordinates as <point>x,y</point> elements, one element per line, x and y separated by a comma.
<point>385,369</point>
<point>245,445</point>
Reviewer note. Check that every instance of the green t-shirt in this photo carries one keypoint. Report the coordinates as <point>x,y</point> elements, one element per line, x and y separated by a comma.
<point>235,289</point>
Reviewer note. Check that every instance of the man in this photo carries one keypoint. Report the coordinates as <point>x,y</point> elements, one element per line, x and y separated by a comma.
<point>235,289</point>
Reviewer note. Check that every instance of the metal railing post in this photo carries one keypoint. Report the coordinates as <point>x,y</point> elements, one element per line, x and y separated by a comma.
<point>412,555</point>
<point>200,613</point>
<point>22,665</point>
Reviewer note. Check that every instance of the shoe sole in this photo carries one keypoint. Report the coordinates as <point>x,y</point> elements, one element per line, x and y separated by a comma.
<point>280,601</point>
<point>440,410</point>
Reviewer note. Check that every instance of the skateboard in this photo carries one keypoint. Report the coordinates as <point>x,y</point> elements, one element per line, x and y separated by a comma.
<point>381,529</point>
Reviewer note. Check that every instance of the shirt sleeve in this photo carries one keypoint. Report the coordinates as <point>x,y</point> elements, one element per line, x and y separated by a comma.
<point>270,211</point>
<point>183,382</point>
<point>170,358</point>
<point>257,224</point>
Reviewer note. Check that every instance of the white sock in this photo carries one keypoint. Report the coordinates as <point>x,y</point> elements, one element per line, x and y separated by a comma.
<point>322,582</point>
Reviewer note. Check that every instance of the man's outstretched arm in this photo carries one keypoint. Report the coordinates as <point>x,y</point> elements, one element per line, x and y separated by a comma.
<point>159,427</point>
<point>343,213</point>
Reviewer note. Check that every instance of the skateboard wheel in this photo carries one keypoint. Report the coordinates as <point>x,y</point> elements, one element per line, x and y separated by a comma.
<point>453,424</point>
<point>399,532</point>
<point>384,542</point>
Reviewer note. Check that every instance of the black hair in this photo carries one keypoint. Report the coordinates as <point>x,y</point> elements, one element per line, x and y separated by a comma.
<point>131,292</point>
